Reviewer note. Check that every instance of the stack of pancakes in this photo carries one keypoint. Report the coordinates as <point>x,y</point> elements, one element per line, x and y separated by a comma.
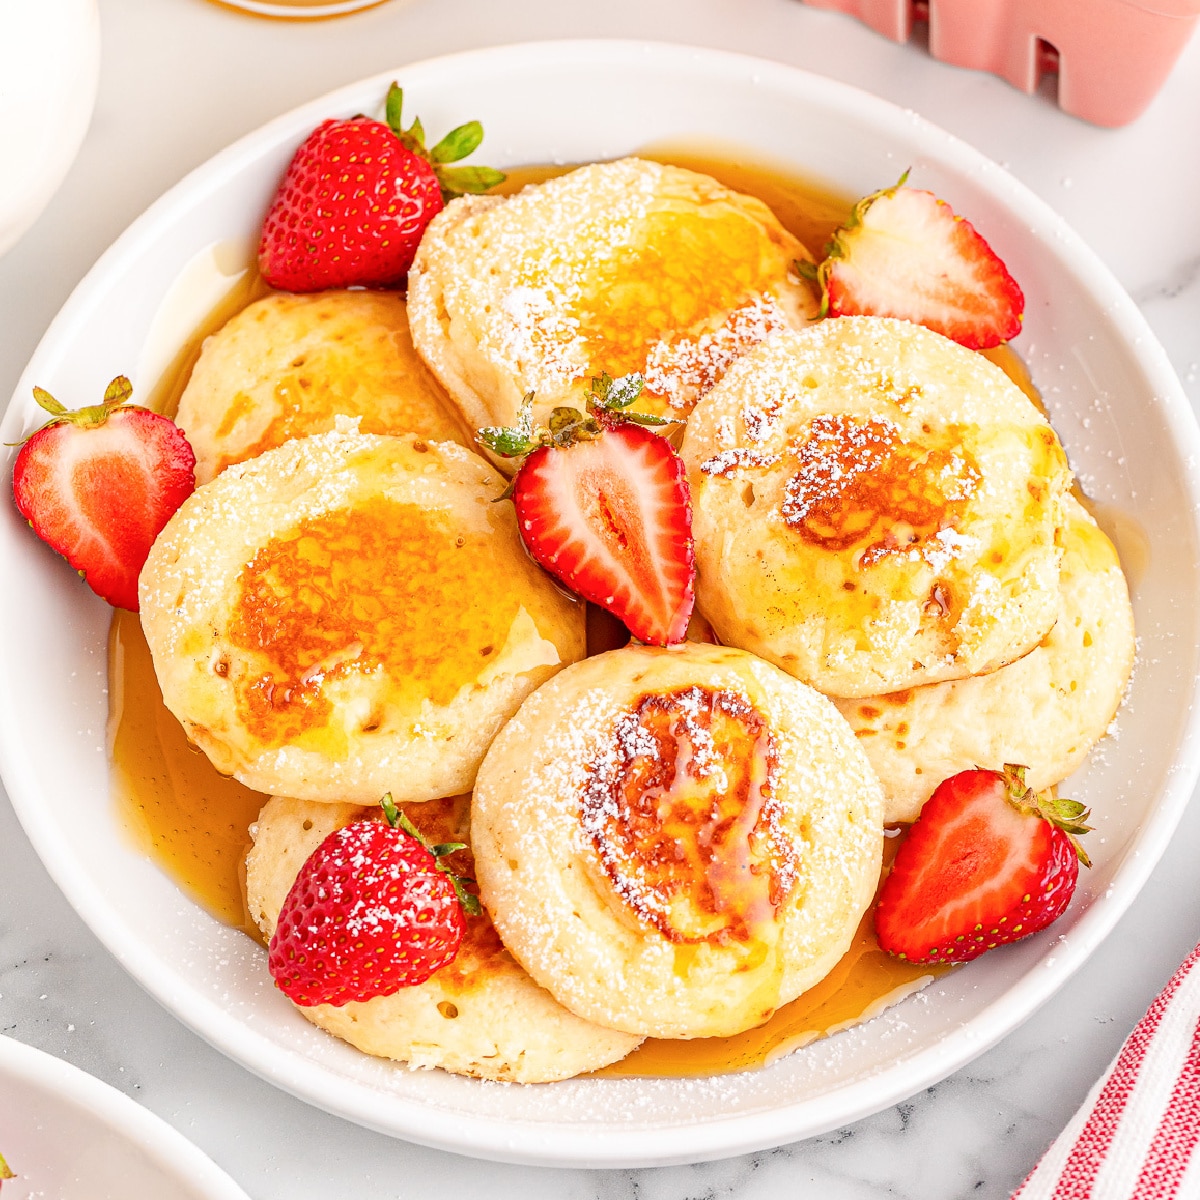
<point>668,842</point>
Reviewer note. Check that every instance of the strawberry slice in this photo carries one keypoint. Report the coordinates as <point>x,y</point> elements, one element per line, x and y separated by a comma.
<point>905,253</point>
<point>603,504</point>
<point>987,862</point>
<point>98,484</point>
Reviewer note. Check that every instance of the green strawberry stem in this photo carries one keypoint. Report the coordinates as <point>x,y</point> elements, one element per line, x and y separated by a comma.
<point>5,1171</point>
<point>1069,815</point>
<point>456,145</point>
<point>607,398</point>
<point>93,415</point>
<point>398,820</point>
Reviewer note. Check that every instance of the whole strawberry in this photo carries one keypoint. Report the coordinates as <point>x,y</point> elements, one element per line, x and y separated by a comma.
<point>371,911</point>
<point>99,483</point>
<point>905,253</point>
<point>603,504</point>
<point>988,861</point>
<point>357,197</point>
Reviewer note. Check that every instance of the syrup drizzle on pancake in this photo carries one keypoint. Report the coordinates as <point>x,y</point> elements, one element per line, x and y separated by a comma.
<point>682,813</point>
<point>327,600</point>
<point>860,484</point>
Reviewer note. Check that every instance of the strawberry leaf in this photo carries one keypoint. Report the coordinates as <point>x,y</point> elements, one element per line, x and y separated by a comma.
<point>88,417</point>
<point>651,419</point>
<point>397,819</point>
<point>458,143</point>
<point>118,391</point>
<point>412,138</point>
<point>806,270</point>
<point>469,901</point>
<point>456,181</point>
<point>48,402</point>
<point>569,425</point>
<point>512,441</point>
<point>394,107</point>
<point>615,394</point>
<point>1069,815</point>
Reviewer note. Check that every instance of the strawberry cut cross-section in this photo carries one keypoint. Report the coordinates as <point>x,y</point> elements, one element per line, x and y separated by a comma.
<point>611,517</point>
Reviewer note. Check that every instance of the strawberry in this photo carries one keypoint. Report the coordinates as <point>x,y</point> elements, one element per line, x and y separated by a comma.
<point>357,197</point>
<point>603,504</point>
<point>904,253</point>
<point>987,862</point>
<point>98,484</point>
<point>372,910</point>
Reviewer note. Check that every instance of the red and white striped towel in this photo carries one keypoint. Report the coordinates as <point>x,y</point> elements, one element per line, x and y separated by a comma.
<point>1136,1134</point>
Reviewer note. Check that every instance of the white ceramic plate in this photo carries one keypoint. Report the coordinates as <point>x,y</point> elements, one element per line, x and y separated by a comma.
<point>69,1136</point>
<point>1122,416</point>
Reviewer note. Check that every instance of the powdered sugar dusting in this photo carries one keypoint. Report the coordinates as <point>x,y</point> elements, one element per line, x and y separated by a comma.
<point>689,829</point>
<point>541,341</point>
<point>587,273</point>
<point>683,370</point>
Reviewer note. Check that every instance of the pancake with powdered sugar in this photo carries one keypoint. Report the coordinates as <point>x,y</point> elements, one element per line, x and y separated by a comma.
<point>875,507</point>
<point>351,614</point>
<point>479,1015</point>
<point>1045,711</point>
<point>675,842</point>
<point>286,366</point>
<point>615,267</point>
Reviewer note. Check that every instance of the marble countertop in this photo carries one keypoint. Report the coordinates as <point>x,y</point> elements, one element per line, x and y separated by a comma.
<point>181,79</point>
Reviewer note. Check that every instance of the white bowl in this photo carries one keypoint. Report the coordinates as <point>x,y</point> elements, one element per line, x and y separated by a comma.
<point>49,72</point>
<point>72,1137</point>
<point>1123,418</point>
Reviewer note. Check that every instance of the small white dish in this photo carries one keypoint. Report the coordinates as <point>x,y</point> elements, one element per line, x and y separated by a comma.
<point>1122,415</point>
<point>69,1136</point>
<point>49,72</point>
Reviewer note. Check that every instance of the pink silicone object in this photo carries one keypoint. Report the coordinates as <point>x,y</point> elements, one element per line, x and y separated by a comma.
<point>1113,55</point>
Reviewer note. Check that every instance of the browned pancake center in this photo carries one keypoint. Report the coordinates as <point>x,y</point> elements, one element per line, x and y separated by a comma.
<point>689,274</point>
<point>860,485</point>
<point>382,589</point>
<point>681,809</point>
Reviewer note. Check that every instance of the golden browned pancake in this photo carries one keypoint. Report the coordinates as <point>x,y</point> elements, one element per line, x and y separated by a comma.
<point>351,614</point>
<point>675,842</point>
<point>286,365</point>
<point>1044,712</point>
<point>875,507</point>
<point>616,267</point>
<point>480,1015</point>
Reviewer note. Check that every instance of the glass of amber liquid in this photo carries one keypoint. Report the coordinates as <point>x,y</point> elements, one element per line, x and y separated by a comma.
<point>298,10</point>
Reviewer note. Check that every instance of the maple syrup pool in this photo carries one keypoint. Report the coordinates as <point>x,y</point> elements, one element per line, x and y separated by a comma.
<point>193,822</point>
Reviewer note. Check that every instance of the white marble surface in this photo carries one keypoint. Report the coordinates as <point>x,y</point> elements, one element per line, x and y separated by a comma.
<point>180,79</point>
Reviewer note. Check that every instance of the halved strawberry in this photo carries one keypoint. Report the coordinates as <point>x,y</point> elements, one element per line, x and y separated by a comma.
<point>987,862</point>
<point>905,253</point>
<point>98,484</point>
<point>603,504</point>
